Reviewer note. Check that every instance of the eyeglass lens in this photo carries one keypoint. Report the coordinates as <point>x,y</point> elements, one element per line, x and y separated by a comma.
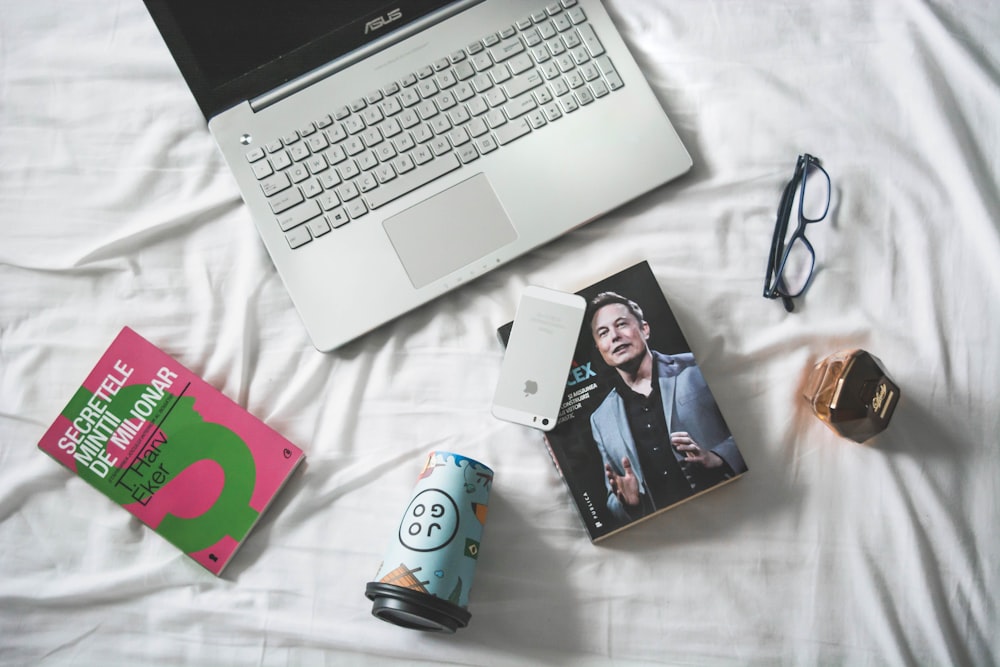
<point>812,197</point>
<point>797,269</point>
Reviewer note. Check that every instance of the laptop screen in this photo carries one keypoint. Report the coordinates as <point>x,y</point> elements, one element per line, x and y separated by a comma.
<point>230,51</point>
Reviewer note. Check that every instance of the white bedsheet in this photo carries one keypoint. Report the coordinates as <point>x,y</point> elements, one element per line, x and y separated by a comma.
<point>116,209</point>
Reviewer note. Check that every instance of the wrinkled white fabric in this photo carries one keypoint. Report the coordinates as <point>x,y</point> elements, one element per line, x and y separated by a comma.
<point>116,209</point>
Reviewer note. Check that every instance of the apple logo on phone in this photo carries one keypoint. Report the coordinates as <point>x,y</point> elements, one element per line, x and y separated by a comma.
<point>530,387</point>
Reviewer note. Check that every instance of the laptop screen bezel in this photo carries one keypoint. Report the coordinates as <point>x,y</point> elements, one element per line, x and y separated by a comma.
<point>213,97</point>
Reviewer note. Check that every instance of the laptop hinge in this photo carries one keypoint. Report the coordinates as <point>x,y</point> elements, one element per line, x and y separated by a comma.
<point>299,83</point>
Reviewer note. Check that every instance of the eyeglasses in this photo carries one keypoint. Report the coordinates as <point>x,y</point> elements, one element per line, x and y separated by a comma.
<point>792,259</point>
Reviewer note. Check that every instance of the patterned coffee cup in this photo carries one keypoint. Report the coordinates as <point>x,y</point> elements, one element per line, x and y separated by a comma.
<point>424,580</point>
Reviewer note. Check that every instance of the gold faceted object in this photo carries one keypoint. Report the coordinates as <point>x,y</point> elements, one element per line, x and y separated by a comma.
<point>851,392</point>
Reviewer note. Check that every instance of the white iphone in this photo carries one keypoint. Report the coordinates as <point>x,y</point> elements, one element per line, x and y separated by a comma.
<point>539,354</point>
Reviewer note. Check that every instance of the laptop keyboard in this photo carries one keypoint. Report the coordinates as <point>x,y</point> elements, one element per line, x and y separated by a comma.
<point>433,121</point>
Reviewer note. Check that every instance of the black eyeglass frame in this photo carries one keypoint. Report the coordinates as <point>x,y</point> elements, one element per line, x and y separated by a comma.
<point>774,286</point>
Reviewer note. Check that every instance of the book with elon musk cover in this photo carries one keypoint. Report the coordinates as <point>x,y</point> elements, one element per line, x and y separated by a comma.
<point>639,431</point>
<point>171,449</point>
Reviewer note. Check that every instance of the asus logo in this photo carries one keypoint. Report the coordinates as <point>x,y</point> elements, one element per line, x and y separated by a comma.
<point>380,22</point>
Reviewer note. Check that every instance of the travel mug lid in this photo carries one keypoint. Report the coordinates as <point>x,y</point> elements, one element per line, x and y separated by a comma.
<point>412,609</point>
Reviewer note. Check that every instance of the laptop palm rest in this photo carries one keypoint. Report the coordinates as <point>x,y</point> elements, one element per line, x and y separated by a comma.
<point>449,230</point>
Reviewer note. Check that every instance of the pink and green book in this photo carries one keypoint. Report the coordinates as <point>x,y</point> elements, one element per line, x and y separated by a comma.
<point>171,449</point>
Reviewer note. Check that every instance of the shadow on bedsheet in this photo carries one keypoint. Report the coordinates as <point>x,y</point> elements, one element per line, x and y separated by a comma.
<point>259,539</point>
<point>917,431</point>
<point>523,601</point>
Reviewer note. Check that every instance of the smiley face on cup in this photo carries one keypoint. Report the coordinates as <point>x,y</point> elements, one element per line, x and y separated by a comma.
<point>430,521</point>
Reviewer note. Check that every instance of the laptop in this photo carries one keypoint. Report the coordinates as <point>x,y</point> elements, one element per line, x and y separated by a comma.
<point>389,152</point>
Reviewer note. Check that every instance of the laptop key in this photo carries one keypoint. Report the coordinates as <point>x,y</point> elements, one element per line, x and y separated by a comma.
<point>523,83</point>
<point>356,208</point>
<point>348,170</point>
<point>519,105</point>
<point>347,191</point>
<point>552,111</point>
<point>384,173</point>
<point>505,49</point>
<point>329,179</point>
<point>486,144</point>
<point>338,218</point>
<point>403,164</point>
<point>440,145</point>
<point>318,227</point>
<point>312,188</point>
<point>294,217</point>
<point>298,173</point>
<point>511,131</point>
<point>589,38</point>
<point>274,184</point>
<point>280,160</point>
<point>467,153</point>
<point>285,200</point>
<point>422,155</point>
<point>367,182</point>
<point>328,200</point>
<point>464,70</point>
<point>298,237</point>
<point>262,169</point>
<point>536,119</point>
<point>521,63</point>
<point>404,184</point>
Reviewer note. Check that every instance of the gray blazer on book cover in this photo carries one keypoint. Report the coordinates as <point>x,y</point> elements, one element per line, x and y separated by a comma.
<point>688,405</point>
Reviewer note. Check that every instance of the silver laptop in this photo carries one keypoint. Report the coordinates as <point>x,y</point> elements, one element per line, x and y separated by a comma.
<point>390,152</point>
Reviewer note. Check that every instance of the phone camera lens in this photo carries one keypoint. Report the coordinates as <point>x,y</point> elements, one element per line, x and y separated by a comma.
<point>545,422</point>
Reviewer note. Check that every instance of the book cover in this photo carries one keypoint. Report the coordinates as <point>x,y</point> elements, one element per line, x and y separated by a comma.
<point>171,449</point>
<point>639,431</point>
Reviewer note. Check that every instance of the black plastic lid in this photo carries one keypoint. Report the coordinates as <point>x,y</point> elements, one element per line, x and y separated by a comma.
<point>417,611</point>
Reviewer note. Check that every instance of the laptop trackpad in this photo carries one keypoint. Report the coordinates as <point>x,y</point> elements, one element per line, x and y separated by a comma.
<point>449,230</point>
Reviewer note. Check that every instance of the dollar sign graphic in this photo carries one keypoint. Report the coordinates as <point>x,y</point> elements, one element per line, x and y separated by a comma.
<point>187,439</point>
